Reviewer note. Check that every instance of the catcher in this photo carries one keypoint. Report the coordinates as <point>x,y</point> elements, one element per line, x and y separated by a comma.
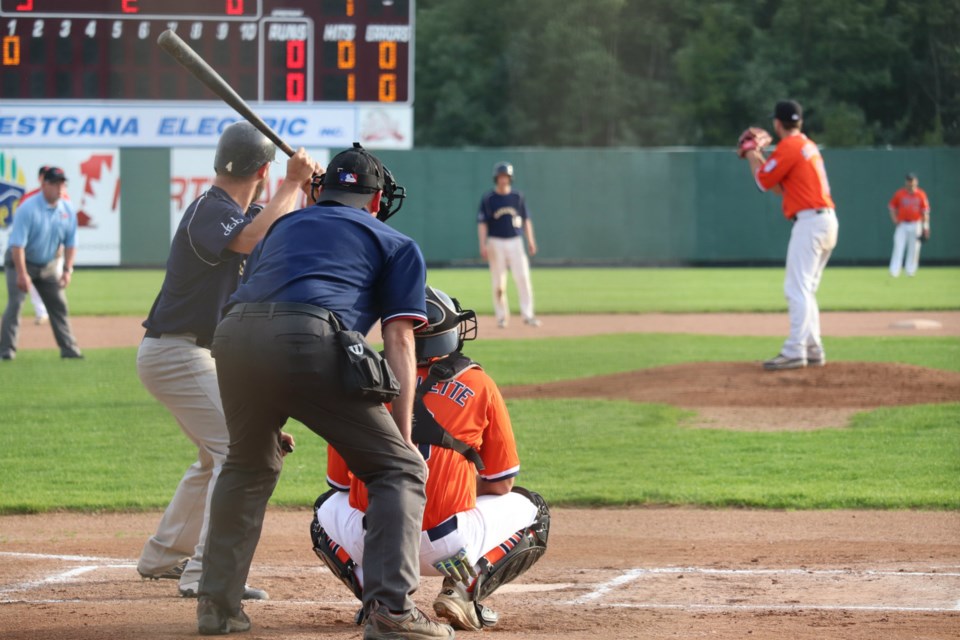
<point>795,172</point>
<point>479,530</point>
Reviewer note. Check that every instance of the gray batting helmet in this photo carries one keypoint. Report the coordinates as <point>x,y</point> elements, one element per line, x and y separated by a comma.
<point>242,150</point>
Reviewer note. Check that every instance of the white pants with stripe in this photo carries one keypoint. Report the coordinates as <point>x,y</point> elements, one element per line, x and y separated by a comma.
<point>183,377</point>
<point>479,530</point>
<point>509,254</point>
<point>906,243</point>
<point>812,240</point>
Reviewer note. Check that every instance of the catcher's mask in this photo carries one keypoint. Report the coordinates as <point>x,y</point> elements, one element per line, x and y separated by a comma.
<point>448,327</point>
<point>353,176</point>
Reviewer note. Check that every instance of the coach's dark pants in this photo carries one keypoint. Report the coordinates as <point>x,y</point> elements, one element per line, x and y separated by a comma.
<point>284,363</point>
<point>47,282</point>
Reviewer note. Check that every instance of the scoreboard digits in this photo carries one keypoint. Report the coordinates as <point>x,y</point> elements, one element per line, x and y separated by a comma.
<point>292,51</point>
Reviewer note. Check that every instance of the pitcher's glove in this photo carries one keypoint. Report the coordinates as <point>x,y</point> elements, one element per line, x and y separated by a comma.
<point>753,138</point>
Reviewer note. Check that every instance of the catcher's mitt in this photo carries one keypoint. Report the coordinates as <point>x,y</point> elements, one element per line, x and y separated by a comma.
<point>752,138</point>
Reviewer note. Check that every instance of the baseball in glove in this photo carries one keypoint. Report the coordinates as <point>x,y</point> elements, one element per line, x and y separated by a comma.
<point>752,138</point>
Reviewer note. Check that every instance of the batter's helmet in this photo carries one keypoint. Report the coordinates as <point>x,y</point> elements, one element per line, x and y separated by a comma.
<point>242,150</point>
<point>502,169</point>
<point>448,326</point>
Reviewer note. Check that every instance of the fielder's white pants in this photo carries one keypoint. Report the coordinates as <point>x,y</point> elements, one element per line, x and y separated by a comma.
<point>183,377</point>
<point>40,309</point>
<point>479,530</point>
<point>504,254</point>
<point>811,242</point>
<point>906,241</point>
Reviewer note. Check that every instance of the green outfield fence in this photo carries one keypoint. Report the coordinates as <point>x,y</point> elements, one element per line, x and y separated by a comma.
<point>614,206</point>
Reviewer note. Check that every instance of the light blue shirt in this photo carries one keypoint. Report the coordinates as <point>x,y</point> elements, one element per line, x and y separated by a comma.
<point>41,228</point>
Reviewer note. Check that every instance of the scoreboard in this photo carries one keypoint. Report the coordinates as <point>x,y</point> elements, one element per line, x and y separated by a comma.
<point>268,50</point>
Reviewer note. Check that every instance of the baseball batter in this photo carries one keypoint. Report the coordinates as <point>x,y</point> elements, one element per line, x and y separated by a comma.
<point>216,233</point>
<point>502,223</point>
<point>795,171</point>
<point>479,530</point>
<point>910,212</point>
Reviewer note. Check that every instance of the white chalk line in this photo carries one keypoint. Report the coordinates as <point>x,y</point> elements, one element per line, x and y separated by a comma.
<point>604,588</point>
<point>65,558</point>
<point>58,578</point>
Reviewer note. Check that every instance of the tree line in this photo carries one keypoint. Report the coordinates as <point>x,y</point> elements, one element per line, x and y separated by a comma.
<point>684,72</point>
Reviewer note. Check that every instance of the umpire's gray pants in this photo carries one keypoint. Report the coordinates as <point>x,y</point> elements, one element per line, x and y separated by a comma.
<point>274,368</point>
<point>183,377</point>
<point>47,282</point>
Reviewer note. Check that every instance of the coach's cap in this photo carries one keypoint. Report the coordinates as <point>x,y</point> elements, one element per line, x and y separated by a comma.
<point>352,177</point>
<point>54,174</point>
<point>788,111</point>
<point>241,150</point>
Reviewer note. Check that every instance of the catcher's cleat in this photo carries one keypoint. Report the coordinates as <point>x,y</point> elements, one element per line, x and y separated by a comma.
<point>212,621</point>
<point>173,573</point>
<point>249,593</point>
<point>782,363</point>
<point>454,605</point>
<point>412,625</point>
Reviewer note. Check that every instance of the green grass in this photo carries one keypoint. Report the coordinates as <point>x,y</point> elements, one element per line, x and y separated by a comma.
<point>90,437</point>
<point>125,292</point>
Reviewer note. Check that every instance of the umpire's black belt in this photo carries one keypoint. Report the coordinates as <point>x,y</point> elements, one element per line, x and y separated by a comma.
<point>272,309</point>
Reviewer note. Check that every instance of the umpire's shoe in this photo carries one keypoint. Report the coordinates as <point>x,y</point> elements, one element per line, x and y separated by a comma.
<point>454,605</point>
<point>413,625</point>
<point>213,621</point>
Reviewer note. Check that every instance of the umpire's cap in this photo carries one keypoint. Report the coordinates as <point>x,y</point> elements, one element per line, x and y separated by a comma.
<point>352,177</point>
<point>242,150</point>
<point>448,326</point>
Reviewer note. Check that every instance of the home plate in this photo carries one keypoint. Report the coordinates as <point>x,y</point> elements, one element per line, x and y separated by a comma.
<point>917,324</point>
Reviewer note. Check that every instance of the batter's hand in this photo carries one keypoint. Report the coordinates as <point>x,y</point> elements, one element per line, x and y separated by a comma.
<point>23,282</point>
<point>286,439</point>
<point>301,167</point>
<point>459,567</point>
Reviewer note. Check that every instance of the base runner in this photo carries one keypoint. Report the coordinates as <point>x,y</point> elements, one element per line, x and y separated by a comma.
<point>479,530</point>
<point>795,171</point>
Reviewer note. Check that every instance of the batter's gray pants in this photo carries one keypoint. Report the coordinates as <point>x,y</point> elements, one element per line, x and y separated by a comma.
<point>47,282</point>
<point>287,366</point>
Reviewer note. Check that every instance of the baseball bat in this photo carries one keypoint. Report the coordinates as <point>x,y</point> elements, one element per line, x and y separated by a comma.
<point>192,62</point>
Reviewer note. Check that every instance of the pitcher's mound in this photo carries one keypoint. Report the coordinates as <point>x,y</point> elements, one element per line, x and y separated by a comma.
<point>741,395</point>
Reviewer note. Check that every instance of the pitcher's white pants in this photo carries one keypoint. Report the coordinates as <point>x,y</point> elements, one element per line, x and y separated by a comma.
<point>504,254</point>
<point>478,530</point>
<point>183,377</point>
<point>906,241</point>
<point>811,242</point>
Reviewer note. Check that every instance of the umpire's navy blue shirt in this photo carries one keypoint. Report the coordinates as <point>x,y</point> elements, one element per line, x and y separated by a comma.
<point>504,214</point>
<point>201,271</point>
<point>342,259</point>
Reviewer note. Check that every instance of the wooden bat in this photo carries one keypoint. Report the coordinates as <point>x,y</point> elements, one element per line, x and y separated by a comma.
<point>192,62</point>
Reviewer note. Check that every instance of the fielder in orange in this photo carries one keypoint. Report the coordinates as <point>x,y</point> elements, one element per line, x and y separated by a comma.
<point>479,530</point>
<point>910,212</point>
<point>795,172</point>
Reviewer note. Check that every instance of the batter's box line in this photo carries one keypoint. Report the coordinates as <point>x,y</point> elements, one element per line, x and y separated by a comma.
<point>632,575</point>
<point>60,578</point>
<point>778,607</point>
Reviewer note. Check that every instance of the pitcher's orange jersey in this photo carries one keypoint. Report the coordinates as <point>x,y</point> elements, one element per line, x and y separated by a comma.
<point>910,207</point>
<point>797,166</point>
<point>471,408</point>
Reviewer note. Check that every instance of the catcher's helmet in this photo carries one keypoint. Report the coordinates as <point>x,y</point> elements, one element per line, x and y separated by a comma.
<point>448,326</point>
<point>502,169</point>
<point>242,150</point>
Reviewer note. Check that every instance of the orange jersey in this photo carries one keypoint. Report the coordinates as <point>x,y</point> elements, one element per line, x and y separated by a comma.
<point>471,408</point>
<point>910,207</point>
<point>797,166</point>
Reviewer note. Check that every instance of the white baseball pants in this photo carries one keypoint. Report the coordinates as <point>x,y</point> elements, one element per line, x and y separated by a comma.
<point>811,242</point>
<point>183,377</point>
<point>478,530</point>
<point>504,254</point>
<point>906,241</point>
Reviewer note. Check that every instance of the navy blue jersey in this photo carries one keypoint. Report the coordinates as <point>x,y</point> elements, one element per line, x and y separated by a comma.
<point>342,259</point>
<point>201,271</point>
<point>504,214</point>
